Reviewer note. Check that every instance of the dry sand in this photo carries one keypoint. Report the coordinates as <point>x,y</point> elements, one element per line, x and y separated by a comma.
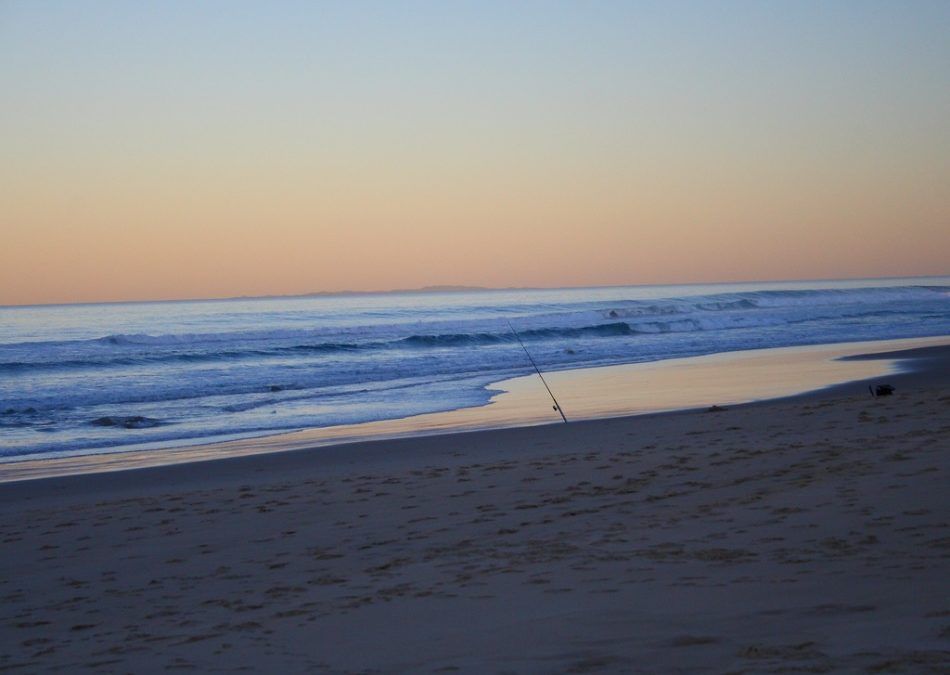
<point>808,534</point>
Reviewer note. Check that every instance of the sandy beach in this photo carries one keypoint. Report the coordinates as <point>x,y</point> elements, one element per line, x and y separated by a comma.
<point>807,534</point>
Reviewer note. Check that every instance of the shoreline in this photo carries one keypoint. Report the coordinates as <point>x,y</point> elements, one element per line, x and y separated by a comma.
<point>523,397</point>
<point>806,534</point>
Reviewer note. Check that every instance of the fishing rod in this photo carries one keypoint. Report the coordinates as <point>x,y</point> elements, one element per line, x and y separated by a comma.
<point>557,406</point>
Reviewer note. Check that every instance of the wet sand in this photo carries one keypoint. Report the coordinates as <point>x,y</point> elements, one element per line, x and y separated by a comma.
<point>806,534</point>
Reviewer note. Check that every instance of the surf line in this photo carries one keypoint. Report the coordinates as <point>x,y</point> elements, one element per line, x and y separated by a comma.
<point>557,406</point>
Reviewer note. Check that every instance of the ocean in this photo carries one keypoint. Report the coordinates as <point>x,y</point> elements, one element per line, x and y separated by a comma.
<point>83,379</point>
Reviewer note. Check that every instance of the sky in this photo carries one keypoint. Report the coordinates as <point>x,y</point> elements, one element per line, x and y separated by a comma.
<point>216,149</point>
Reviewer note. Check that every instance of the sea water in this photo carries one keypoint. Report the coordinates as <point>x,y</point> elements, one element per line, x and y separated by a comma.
<point>80,379</point>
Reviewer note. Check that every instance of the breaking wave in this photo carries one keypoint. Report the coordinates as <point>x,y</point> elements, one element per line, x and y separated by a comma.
<point>578,321</point>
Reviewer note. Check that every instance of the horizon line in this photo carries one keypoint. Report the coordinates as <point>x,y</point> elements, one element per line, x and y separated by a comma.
<point>451,288</point>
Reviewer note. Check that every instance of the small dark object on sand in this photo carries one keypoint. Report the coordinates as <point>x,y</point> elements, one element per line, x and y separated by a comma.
<point>881,390</point>
<point>715,408</point>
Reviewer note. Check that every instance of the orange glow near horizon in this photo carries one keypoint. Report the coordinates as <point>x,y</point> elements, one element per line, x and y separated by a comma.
<point>256,236</point>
